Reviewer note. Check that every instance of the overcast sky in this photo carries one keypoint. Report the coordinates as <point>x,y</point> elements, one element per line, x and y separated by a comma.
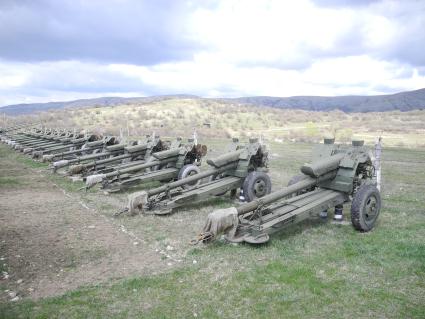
<point>68,49</point>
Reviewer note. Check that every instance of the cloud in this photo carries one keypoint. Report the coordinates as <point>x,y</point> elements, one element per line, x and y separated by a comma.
<point>402,29</point>
<point>142,32</point>
<point>61,80</point>
<point>343,3</point>
<point>294,34</point>
<point>72,49</point>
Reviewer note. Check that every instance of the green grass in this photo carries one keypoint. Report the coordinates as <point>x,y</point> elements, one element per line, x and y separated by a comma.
<point>67,185</point>
<point>7,154</point>
<point>334,282</point>
<point>311,270</point>
<point>26,160</point>
<point>8,182</point>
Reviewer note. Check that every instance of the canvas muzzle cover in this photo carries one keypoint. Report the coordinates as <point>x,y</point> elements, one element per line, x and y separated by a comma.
<point>136,202</point>
<point>221,221</point>
<point>60,164</point>
<point>48,158</point>
<point>76,169</point>
<point>94,179</point>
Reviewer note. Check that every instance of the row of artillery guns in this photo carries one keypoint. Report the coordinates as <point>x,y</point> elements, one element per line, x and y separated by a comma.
<point>338,174</point>
<point>41,142</point>
<point>112,162</point>
<point>115,166</point>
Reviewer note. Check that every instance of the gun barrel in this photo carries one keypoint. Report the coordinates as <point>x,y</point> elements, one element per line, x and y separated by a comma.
<point>116,147</point>
<point>87,157</point>
<point>167,153</point>
<point>140,167</point>
<point>62,154</point>
<point>322,166</point>
<point>225,159</point>
<point>136,148</point>
<point>190,179</point>
<point>284,192</point>
<point>107,160</point>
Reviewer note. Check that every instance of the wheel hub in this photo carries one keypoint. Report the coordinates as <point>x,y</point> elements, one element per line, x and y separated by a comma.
<point>370,208</point>
<point>260,188</point>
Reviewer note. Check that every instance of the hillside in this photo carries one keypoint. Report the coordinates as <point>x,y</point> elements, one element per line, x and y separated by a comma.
<point>27,108</point>
<point>404,101</point>
<point>213,118</point>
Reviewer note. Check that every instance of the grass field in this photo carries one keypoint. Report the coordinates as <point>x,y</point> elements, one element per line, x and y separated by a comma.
<point>313,270</point>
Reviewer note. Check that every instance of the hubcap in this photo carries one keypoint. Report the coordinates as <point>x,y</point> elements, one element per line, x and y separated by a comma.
<point>370,209</point>
<point>259,188</point>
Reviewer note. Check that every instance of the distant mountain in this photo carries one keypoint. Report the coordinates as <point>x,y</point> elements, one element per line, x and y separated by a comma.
<point>18,109</point>
<point>404,101</point>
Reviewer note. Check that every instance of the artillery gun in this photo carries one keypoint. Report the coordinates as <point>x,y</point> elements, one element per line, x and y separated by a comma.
<point>5,130</point>
<point>152,146</point>
<point>7,137</point>
<point>78,164</point>
<point>161,166</point>
<point>34,143</point>
<point>87,148</point>
<point>68,141</point>
<point>336,176</point>
<point>119,153</point>
<point>19,140</point>
<point>241,167</point>
<point>40,139</point>
<point>38,142</point>
<point>29,133</point>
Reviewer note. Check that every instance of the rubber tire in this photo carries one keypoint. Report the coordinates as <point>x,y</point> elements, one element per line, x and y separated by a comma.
<point>186,171</point>
<point>251,180</point>
<point>358,205</point>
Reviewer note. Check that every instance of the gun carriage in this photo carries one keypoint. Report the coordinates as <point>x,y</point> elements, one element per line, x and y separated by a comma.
<point>336,176</point>
<point>241,167</point>
<point>161,166</point>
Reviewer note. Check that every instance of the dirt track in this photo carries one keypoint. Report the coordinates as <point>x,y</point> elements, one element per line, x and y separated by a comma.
<point>50,243</point>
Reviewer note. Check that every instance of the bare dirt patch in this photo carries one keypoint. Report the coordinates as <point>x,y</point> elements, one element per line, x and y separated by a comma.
<point>51,243</point>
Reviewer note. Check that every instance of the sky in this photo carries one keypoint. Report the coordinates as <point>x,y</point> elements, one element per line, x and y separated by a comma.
<point>56,50</point>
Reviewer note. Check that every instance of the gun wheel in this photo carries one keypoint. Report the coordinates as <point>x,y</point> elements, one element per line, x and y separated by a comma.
<point>365,208</point>
<point>256,185</point>
<point>188,171</point>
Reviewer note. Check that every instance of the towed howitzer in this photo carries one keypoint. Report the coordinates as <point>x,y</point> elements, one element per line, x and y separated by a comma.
<point>86,148</point>
<point>4,130</point>
<point>241,167</point>
<point>68,142</point>
<point>161,166</point>
<point>22,141</point>
<point>153,146</point>
<point>80,163</point>
<point>120,153</point>
<point>45,141</point>
<point>64,142</point>
<point>330,181</point>
<point>31,133</point>
<point>22,135</point>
